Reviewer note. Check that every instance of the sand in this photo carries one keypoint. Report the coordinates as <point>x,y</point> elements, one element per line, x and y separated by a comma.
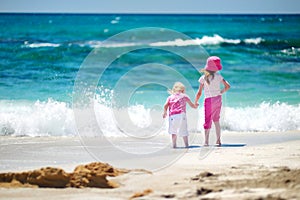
<point>268,170</point>
<point>89,175</point>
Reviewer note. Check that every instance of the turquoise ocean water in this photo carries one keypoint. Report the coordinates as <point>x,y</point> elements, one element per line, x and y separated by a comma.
<point>41,54</point>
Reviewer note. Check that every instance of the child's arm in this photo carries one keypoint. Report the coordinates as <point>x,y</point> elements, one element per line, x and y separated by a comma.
<point>192,104</point>
<point>165,109</point>
<point>199,93</point>
<point>227,86</point>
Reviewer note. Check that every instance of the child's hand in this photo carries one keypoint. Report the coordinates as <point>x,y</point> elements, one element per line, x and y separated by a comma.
<point>196,105</point>
<point>164,115</point>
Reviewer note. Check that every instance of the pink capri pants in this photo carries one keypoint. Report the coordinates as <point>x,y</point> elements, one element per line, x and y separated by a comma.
<point>212,109</point>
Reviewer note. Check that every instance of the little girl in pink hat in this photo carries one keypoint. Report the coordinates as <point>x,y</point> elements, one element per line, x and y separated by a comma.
<point>210,82</point>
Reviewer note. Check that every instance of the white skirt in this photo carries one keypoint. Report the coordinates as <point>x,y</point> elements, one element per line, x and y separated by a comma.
<point>178,125</point>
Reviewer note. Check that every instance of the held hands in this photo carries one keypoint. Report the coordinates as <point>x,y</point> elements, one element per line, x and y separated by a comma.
<point>195,105</point>
<point>164,114</point>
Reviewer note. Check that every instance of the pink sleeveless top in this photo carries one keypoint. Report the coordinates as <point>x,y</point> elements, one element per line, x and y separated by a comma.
<point>177,103</point>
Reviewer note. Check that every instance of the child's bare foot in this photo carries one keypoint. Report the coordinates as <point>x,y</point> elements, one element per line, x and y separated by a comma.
<point>205,145</point>
<point>218,144</point>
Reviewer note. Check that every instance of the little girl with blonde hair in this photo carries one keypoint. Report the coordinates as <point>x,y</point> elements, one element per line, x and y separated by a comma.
<point>176,104</point>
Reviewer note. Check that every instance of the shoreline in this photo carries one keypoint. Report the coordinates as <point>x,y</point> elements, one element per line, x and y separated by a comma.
<point>25,153</point>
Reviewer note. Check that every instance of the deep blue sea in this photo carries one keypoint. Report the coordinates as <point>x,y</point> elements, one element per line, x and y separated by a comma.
<point>44,56</point>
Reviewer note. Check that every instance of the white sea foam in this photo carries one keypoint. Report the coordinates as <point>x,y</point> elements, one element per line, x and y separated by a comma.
<point>53,118</point>
<point>264,117</point>
<point>140,116</point>
<point>116,20</point>
<point>206,40</point>
<point>49,118</point>
<point>216,39</point>
<point>125,121</point>
<point>291,51</point>
<point>253,40</point>
<point>39,45</point>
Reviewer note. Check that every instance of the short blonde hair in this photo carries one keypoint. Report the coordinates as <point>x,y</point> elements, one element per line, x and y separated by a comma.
<point>177,87</point>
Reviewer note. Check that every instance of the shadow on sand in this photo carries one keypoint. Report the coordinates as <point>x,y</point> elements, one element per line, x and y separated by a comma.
<point>223,145</point>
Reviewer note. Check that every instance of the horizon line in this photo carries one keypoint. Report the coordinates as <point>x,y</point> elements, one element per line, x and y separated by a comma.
<point>154,13</point>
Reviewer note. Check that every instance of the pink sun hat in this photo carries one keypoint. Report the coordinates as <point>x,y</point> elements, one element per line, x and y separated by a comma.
<point>213,63</point>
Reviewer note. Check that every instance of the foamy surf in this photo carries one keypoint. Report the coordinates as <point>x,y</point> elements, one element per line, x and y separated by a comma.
<point>50,118</point>
<point>208,40</point>
<point>205,40</point>
<point>264,117</point>
<point>40,45</point>
<point>54,118</point>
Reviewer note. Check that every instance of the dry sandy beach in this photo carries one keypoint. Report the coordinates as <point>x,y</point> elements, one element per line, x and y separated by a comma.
<point>268,167</point>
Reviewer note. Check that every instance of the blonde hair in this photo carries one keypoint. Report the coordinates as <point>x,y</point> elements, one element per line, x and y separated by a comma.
<point>207,74</point>
<point>177,87</point>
